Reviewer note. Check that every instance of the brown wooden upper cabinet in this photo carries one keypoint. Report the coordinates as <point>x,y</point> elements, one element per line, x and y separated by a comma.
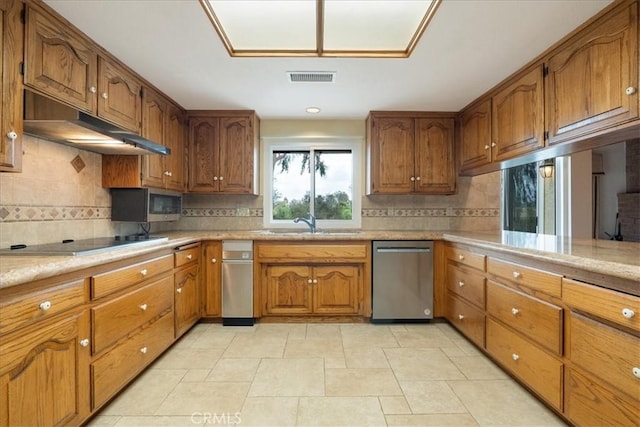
<point>517,116</point>
<point>223,152</point>
<point>475,135</point>
<point>592,80</point>
<point>163,122</point>
<point>63,64</point>
<point>11,35</point>
<point>410,153</point>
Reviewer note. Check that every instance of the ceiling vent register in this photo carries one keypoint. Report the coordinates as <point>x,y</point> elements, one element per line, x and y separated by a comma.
<point>311,76</point>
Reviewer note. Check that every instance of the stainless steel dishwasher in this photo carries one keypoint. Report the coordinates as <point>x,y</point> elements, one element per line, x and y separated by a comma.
<point>237,282</point>
<point>402,280</point>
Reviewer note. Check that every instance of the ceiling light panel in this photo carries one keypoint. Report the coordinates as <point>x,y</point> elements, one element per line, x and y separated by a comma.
<point>348,28</point>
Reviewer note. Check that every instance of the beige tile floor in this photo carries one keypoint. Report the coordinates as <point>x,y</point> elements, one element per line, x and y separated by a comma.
<point>324,374</point>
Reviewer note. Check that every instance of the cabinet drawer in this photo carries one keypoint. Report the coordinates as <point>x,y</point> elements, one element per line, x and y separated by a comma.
<point>468,284</point>
<point>116,318</point>
<point>467,318</point>
<point>117,367</point>
<point>112,281</point>
<point>466,257</point>
<point>186,256</point>
<point>606,353</point>
<point>587,403</point>
<point>25,309</point>
<point>614,306</point>
<point>543,281</point>
<point>313,252</point>
<point>538,369</point>
<point>539,320</point>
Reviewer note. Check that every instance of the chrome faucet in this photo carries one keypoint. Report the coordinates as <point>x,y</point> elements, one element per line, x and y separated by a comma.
<point>311,222</point>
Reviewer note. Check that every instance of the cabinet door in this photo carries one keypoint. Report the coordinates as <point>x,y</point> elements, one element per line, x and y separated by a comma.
<point>336,289</point>
<point>593,80</point>
<point>187,299</point>
<point>288,290</point>
<point>11,35</point>
<point>392,155</point>
<point>236,155</point>
<point>59,62</point>
<point>517,118</point>
<point>119,99</point>
<point>154,114</point>
<point>435,169</point>
<point>211,279</point>
<point>175,140</point>
<point>44,374</point>
<point>203,154</point>
<point>475,136</point>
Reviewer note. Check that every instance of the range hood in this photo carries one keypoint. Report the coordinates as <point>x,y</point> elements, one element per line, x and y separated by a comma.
<point>52,120</point>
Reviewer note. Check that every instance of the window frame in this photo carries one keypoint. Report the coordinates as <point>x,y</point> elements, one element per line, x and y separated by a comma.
<point>272,144</point>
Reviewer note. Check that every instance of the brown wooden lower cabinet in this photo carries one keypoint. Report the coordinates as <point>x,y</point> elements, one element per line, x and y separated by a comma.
<point>469,319</point>
<point>44,375</point>
<point>538,369</point>
<point>587,403</point>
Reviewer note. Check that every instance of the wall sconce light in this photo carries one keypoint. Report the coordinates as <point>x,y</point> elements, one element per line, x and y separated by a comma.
<point>546,168</point>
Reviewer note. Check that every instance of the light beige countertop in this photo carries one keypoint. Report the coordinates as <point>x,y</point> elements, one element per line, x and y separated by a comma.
<point>612,258</point>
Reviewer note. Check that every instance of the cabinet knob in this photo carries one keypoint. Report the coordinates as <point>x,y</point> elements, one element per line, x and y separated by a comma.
<point>144,272</point>
<point>93,89</point>
<point>315,281</point>
<point>166,173</point>
<point>105,95</point>
<point>143,307</point>
<point>417,178</point>
<point>12,135</point>
<point>636,372</point>
<point>460,257</point>
<point>515,311</point>
<point>179,290</point>
<point>143,350</point>
<point>221,178</point>
<point>189,257</point>
<point>516,274</point>
<point>461,283</point>
<point>460,316</point>
<point>486,147</point>
<point>515,356</point>
<point>628,313</point>
<point>309,281</point>
<point>213,260</point>
<point>493,144</point>
<point>412,179</point>
<point>84,342</point>
<point>630,90</point>
<point>46,305</point>
<point>215,178</point>
<point>170,173</point>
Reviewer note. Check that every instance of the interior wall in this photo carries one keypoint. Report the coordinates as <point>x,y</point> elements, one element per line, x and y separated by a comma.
<point>581,195</point>
<point>610,184</point>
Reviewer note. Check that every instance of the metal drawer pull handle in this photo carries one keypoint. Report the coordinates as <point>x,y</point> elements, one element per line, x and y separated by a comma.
<point>143,307</point>
<point>461,283</point>
<point>628,313</point>
<point>189,256</point>
<point>460,316</point>
<point>179,290</point>
<point>460,257</point>
<point>515,356</point>
<point>636,372</point>
<point>84,342</point>
<point>45,305</point>
<point>144,271</point>
<point>143,350</point>
<point>516,274</point>
<point>515,311</point>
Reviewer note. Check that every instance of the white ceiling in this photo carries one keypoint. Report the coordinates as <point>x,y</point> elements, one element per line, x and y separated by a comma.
<point>469,46</point>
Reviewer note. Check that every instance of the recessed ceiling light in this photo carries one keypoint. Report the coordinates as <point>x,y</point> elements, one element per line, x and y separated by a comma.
<point>312,110</point>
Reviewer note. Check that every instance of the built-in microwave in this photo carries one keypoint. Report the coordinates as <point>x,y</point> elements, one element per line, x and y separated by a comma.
<point>145,205</point>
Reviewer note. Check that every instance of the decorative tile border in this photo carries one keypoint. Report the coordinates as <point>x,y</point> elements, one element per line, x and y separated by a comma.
<point>437,212</point>
<point>53,213</point>
<point>222,212</point>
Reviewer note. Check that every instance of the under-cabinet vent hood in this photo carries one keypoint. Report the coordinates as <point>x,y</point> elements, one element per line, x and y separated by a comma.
<point>52,120</point>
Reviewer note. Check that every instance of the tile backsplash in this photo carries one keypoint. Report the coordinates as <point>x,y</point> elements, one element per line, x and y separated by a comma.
<point>54,199</point>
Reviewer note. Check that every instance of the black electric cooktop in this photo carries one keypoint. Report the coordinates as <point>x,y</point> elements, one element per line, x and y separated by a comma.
<point>81,247</point>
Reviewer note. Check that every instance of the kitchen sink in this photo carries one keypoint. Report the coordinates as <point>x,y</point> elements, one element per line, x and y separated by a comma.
<point>307,232</point>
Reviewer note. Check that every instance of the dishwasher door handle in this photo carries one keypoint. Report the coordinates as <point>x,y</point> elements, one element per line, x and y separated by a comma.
<point>402,250</point>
